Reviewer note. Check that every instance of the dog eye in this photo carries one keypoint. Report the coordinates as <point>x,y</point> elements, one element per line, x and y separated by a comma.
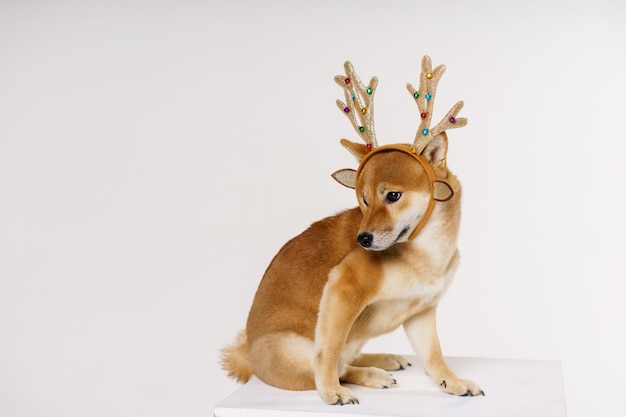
<point>364,200</point>
<point>393,196</point>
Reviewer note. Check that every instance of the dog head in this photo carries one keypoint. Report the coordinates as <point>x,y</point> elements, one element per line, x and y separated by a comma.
<point>397,190</point>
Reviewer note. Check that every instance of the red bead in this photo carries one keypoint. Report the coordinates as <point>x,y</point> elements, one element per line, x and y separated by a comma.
<point>369,146</point>
<point>423,115</point>
<point>347,80</point>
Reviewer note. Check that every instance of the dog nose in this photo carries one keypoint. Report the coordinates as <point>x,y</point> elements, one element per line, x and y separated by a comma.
<point>365,239</point>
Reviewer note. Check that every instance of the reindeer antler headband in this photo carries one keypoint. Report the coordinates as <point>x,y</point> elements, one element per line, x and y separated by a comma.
<point>359,108</point>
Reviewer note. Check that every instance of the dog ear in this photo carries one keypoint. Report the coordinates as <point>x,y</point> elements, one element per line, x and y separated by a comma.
<point>345,177</point>
<point>436,151</point>
<point>357,149</point>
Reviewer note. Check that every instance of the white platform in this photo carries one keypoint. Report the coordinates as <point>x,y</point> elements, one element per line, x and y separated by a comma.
<point>514,388</point>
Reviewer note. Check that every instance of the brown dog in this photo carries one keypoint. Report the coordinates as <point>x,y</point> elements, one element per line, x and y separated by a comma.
<point>363,272</point>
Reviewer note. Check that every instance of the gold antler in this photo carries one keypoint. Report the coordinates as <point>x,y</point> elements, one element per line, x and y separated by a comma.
<point>425,100</point>
<point>359,105</point>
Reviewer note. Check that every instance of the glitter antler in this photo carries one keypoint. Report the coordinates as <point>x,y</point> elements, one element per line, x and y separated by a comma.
<point>425,100</point>
<point>359,105</point>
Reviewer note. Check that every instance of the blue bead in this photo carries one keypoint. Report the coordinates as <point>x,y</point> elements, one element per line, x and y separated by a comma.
<point>425,132</point>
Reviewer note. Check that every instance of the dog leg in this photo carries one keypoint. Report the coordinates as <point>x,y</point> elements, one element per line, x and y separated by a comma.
<point>385,361</point>
<point>284,360</point>
<point>340,305</point>
<point>421,330</point>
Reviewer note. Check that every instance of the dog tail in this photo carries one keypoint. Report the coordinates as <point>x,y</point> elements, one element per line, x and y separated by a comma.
<point>235,359</point>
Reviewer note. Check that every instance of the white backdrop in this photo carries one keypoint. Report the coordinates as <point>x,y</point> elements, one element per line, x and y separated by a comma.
<point>155,155</point>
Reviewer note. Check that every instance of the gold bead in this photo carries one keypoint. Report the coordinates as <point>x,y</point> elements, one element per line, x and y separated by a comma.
<point>429,75</point>
<point>364,110</point>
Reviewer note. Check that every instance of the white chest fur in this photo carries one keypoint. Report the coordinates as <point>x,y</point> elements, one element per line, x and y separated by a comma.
<point>406,290</point>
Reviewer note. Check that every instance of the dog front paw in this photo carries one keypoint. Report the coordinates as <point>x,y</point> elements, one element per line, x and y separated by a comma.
<point>462,387</point>
<point>338,395</point>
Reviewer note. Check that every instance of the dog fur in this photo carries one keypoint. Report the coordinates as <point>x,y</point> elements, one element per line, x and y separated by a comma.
<point>324,295</point>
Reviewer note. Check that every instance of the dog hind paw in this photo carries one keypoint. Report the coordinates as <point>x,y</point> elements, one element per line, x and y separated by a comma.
<point>390,362</point>
<point>386,361</point>
<point>370,377</point>
<point>377,378</point>
<point>402,362</point>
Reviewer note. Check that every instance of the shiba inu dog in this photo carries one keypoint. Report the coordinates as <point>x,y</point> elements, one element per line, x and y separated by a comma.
<point>365,271</point>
